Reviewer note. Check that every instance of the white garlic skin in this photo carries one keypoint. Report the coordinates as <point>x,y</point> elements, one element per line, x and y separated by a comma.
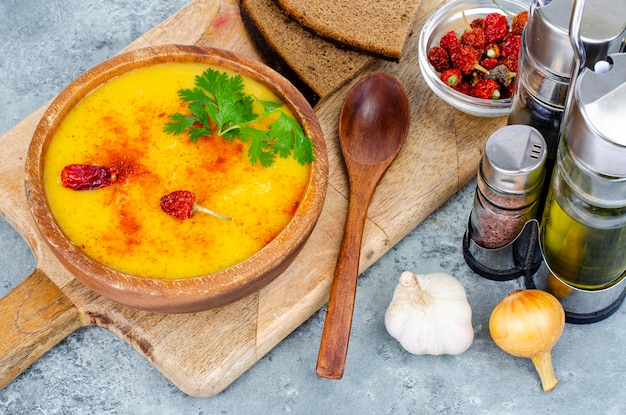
<point>430,314</point>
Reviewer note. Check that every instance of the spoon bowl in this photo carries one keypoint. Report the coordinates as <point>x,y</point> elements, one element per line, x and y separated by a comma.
<point>373,126</point>
<point>371,111</point>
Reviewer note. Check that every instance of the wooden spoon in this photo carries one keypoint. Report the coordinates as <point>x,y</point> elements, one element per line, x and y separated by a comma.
<point>373,125</point>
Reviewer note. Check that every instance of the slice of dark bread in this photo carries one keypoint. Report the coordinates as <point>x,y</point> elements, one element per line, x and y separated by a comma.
<point>315,66</point>
<point>379,27</point>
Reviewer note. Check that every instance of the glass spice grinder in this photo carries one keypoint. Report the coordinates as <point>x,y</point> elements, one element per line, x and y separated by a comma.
<point>509,182</point>
<point>583,229</point>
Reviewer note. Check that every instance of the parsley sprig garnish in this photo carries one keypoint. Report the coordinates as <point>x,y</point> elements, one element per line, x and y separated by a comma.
<point>218,102</point>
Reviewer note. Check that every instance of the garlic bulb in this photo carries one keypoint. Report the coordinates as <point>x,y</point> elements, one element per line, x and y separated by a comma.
<point>429,314</point>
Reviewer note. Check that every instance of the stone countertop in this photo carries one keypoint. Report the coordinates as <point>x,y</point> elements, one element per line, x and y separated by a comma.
<point>49,43</point>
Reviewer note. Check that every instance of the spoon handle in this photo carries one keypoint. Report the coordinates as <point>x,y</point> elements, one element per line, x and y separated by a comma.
<point>336,334</point>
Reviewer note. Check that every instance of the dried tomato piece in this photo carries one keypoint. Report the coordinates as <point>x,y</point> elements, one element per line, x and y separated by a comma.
<point>496,27</point>
<point>486,89</point>
<point>88,177</point>
<point>519,22</point>
<point>439,58</point>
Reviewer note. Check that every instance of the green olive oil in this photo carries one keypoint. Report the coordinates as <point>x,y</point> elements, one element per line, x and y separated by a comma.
<point>584,256</point>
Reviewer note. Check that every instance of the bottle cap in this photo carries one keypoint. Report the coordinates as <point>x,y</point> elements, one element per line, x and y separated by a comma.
<point>514,159</point>
<point>547,55</point>
<point>548,39</point>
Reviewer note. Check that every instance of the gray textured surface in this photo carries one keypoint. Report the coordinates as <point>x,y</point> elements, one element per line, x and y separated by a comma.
<point>48,43</point>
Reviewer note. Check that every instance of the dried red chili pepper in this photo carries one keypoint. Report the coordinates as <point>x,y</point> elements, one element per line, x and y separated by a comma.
<point>512,62</point>
<point>501,74</point>
<point>465,58</point>
<point>439,58</point>
<point>449,40</point>
<point>477,22</point>
<point>181,204</point>
<point>493,50</point>
<point>463,87</point>
<point>496,27</point>
<point>511,45</point>
<point>452,77</point>
<point>474,38</point>
<point>486,89</point>
<point>88,177</point>
<point>489,64</point>
<point>519,22</point>
<point>467,54</point>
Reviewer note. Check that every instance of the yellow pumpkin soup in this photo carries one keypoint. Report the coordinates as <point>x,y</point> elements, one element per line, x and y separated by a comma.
<point>120,125</point>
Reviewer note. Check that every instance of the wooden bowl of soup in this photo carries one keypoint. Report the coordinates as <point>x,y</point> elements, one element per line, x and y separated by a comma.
<point>107,151</point>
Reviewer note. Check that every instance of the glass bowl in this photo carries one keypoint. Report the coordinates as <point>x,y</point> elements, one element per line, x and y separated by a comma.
<point>450,17</point>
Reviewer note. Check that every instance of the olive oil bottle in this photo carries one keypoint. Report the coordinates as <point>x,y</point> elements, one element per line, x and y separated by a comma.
<point>585,245</point>
<point>583,229</point>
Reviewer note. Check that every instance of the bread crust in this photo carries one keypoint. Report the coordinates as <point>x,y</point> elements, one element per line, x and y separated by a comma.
<point>379,28</point>
<point>315,66</point>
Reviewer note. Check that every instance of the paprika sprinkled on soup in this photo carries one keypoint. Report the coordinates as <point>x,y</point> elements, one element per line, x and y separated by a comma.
<point>119,127</point>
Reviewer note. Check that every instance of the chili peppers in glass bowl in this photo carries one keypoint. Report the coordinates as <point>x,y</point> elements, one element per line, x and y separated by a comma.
<point>455,17</point>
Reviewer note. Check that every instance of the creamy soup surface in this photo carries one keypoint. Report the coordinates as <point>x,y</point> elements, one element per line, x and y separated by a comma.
<point>122,226</point>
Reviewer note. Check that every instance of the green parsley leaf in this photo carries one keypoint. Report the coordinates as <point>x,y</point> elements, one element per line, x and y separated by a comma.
<point>259,146</point>
<point>179,124</point>
<point>269,106</point>
<point>218,101</point>
<point>289,137</point>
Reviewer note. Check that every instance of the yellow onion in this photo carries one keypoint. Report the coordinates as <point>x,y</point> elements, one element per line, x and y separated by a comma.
<point>528,323</point>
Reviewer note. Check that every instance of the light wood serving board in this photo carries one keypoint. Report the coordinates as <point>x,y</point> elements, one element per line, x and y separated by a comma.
<point>203,353</point>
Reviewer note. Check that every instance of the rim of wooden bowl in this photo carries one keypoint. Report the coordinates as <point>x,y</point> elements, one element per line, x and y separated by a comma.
<point>184,294</point>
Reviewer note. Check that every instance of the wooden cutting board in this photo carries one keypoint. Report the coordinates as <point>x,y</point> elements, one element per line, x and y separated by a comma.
<point>203,353</point>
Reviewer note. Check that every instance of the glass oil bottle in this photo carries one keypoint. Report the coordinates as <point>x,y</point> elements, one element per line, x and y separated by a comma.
<point>583,229</point>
